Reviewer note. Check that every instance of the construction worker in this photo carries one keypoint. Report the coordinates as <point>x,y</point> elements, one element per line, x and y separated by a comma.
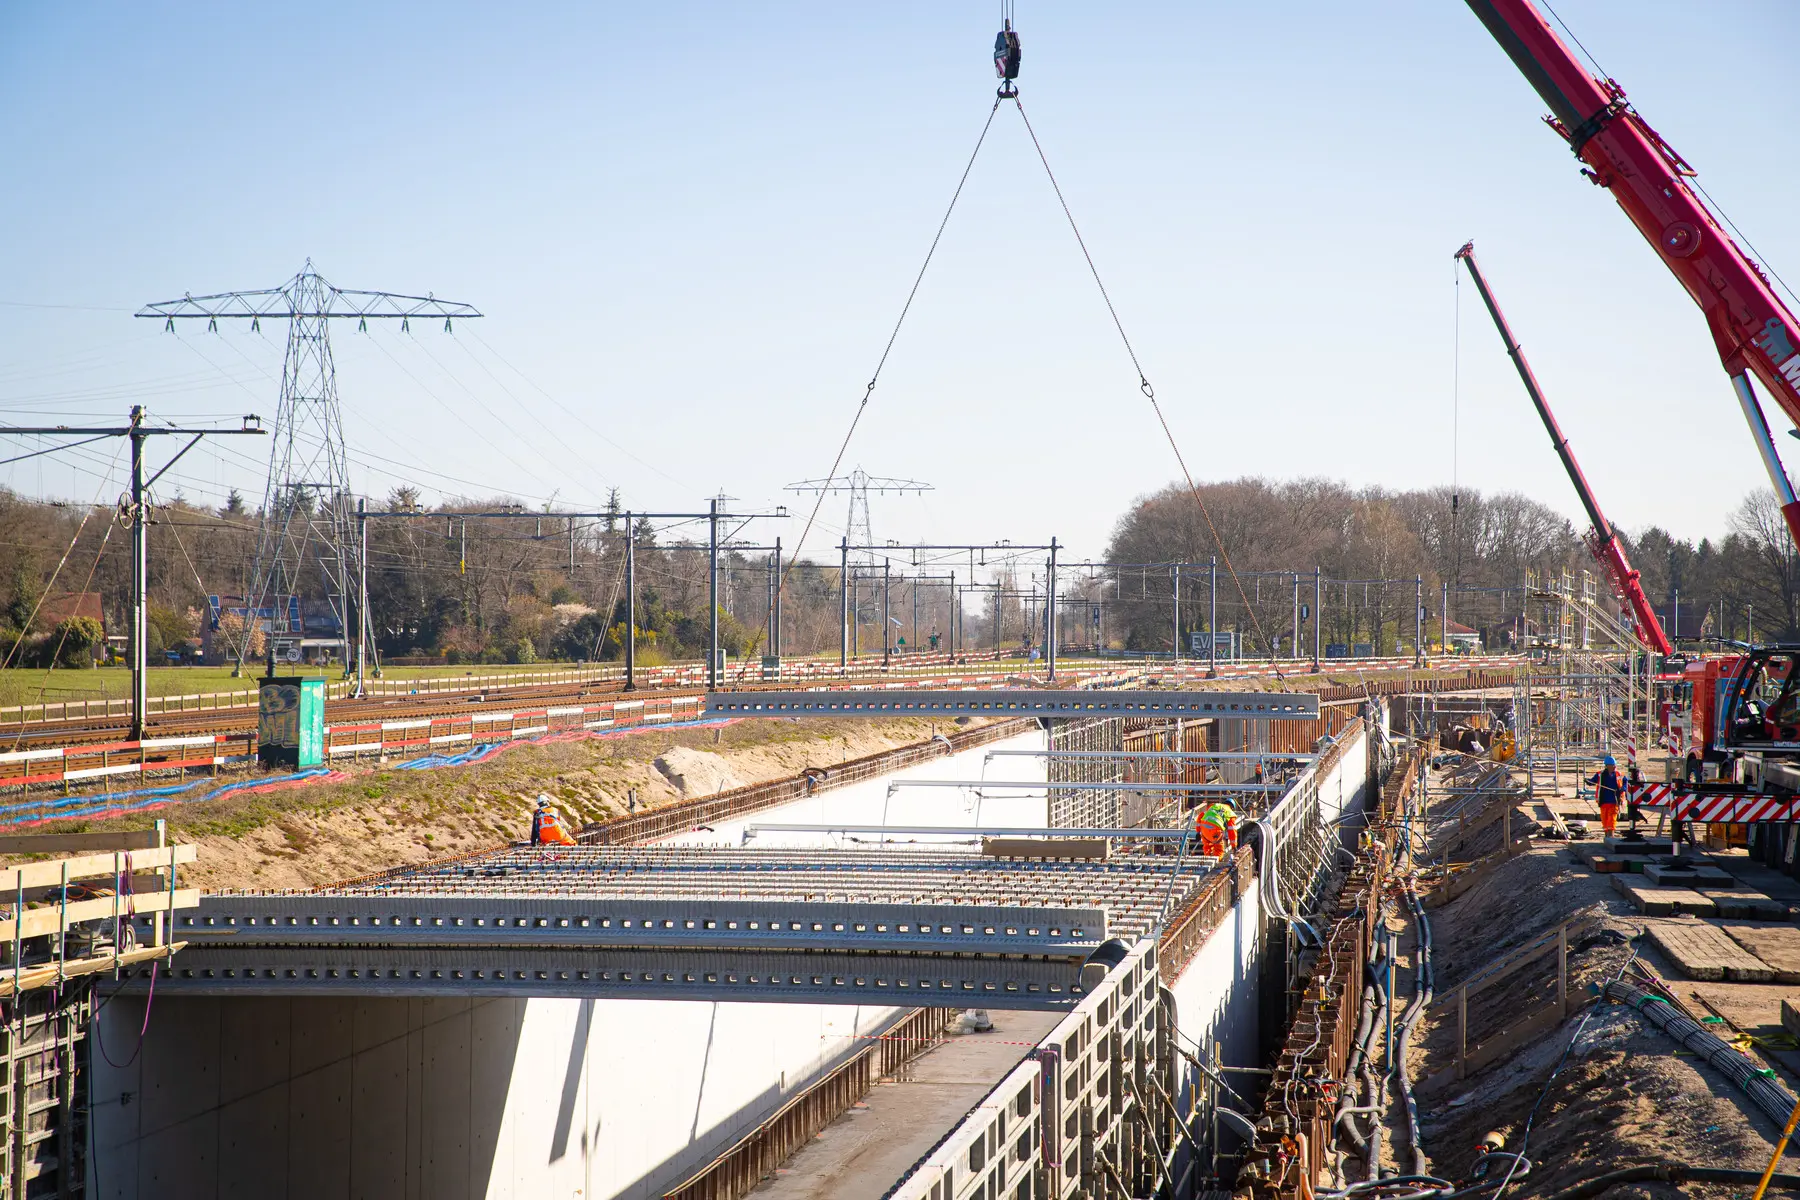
<point>547,829</point>
<point>1217,827</point>
<point>1607,787</point>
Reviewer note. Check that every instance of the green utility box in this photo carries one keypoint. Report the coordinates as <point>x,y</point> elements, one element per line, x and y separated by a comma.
<point>290,725</point>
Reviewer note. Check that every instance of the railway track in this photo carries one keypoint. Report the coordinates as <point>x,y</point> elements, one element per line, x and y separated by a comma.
<point>438,704</point>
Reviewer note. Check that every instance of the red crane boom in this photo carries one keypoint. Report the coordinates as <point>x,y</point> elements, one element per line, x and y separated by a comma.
<point>1602,539</point>
<point>1754,332</point>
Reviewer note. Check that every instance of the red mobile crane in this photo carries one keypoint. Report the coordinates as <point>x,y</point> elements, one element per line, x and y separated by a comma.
<point>1602,539</point>
<point>1754,332</point>
<point>1743,759</point>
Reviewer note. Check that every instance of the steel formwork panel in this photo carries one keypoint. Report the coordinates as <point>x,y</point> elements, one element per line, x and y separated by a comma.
<point>1022,702</point>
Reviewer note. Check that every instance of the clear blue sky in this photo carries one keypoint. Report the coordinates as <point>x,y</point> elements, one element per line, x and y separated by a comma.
<point>694,226</point>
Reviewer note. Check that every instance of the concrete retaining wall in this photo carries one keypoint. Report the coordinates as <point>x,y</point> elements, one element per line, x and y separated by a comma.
<point>321,1098</point>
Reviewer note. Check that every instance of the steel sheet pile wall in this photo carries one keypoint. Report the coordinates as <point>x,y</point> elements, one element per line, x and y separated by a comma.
<point>1295,1134</point>
<point>1085,1116</point>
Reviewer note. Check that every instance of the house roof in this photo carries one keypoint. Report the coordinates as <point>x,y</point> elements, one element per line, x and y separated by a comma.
<point>60,606</point>
<point>1455,630</point>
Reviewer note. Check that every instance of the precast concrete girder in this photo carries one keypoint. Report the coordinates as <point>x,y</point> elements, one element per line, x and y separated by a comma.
<point>820,977</point>
<point>506,923</point>
<point>1017,702</point>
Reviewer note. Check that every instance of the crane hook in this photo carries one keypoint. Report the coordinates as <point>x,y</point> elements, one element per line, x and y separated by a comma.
<point>1006,60</point>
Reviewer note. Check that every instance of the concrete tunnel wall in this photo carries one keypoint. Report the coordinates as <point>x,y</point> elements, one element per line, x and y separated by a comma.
<point>322,1097</point>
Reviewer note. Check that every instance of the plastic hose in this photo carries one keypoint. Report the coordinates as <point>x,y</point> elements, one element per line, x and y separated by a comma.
<point>1670,1173</point>
<point>1758,1083</point>
<point>1423,988</point>
<point>1347,1103</point>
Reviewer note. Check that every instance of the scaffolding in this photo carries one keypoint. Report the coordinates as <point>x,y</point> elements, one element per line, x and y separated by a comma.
<point>1588,691</point>
<point>66,924</point>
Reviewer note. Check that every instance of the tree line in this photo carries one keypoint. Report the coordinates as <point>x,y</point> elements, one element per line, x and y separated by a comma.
<point>537,585</point>
<point>1383,549</point>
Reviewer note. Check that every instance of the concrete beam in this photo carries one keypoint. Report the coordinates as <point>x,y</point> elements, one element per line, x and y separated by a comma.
<point>1018,702</point>
<point>715,976</point>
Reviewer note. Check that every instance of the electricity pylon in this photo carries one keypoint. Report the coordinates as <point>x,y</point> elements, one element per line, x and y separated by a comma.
<point>859,483</point>
<point>307,508</point>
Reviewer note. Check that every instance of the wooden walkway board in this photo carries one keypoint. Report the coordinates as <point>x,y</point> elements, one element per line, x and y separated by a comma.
<point>1776,945</point>
<point>1703,951</point>
<point>1655,901</point>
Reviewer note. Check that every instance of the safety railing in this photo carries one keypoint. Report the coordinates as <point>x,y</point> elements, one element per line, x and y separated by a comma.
<point>753,1157</point>
<point>1084,1115</point>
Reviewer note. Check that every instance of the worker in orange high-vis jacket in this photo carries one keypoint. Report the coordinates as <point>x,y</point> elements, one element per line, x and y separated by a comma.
<point>1217,827</point>
<point>1607,787</point>
<point>547,829</point>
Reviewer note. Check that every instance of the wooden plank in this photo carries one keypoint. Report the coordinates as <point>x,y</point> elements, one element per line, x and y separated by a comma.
<point>76,843</point>
<point>1655,901</point>
<point>1046,847</point>
<point>1776,945</point>
<point>50,874</point>
<point>44,976</point>
<point>48,919</point>
<point>1790,1017</point>
<point>1702,951</point>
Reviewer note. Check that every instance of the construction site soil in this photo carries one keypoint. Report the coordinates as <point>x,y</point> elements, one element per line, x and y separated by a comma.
<point>1627,1095</point>
<point>369,818</point>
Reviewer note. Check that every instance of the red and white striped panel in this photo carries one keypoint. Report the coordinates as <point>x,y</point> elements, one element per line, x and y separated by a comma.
<point>1735,809</point>
<point>1662,797</point>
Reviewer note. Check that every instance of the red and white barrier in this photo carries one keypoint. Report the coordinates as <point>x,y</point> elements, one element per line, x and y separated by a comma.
<point>74,764</point>
<point>1715,808</point>
<point>426,734</point>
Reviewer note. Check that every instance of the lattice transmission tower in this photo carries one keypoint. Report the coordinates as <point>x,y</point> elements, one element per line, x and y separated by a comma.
<point>308,512</point>
<point>858,484</point>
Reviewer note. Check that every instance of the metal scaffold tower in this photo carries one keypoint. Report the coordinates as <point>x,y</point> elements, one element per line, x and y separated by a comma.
<point>1588,692</point>
<point>308,512</point>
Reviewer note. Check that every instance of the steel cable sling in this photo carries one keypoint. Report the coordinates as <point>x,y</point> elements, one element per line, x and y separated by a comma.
<point>1144,384</point>
<point>875,376</point>
<point>1008,70</point>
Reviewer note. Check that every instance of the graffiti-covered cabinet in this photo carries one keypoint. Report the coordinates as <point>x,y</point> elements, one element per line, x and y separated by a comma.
<point>291,722</point>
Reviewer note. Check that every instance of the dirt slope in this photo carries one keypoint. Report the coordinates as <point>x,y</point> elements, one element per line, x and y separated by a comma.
<point>1626,1097</point>
<point>381,816</point>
